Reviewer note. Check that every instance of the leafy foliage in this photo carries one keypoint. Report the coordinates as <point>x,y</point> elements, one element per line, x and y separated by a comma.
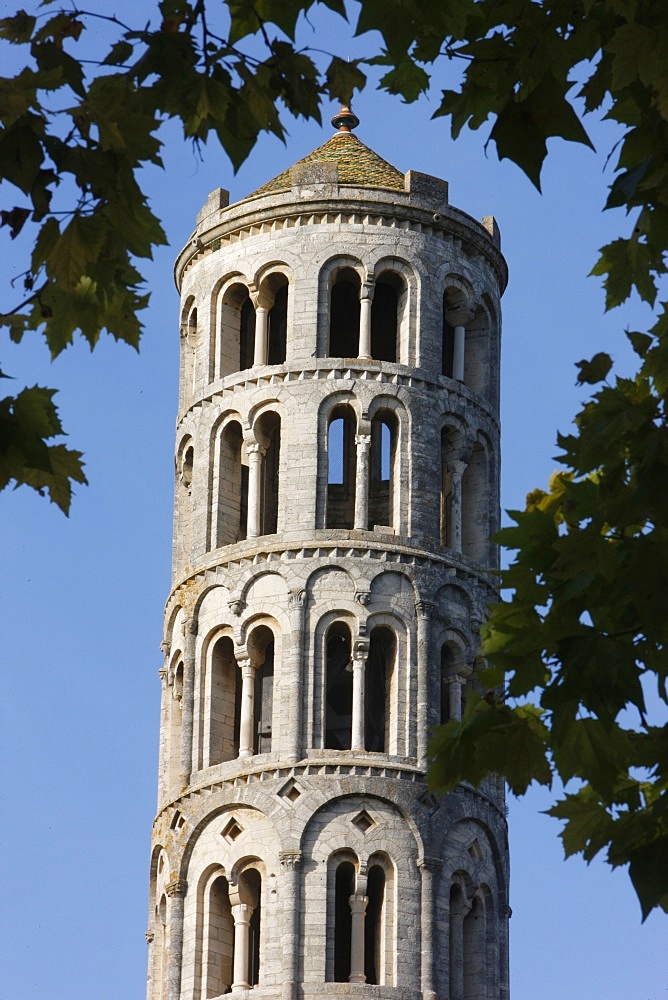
<point>576,648</point>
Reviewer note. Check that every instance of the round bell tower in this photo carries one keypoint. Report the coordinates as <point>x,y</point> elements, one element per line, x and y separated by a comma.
<point>337,469</point>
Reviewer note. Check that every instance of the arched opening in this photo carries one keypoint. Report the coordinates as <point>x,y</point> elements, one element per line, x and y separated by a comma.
<point>277,327</point>
<point>453,339</point>
<point>377,690</point>
<point>475,507</point>
<point>344,315</point>
<point>183,534</point>
<point>382,469</point>
<point>479,364</point>
<point>341,467</point>
<point>385,316</point>
<point>474,953</point>
<point>268,431</point>
<point>176,724</point>
<point>224,716</point>
<point>219,940</point>
<point>252,883</point>
<point>232,511</point>
<point>452,468</point>
<point>261,644</point>
<point>338,687</point>
<point>160,948</point>
<point>456,957</point>
<point>344,887</point>
<point>374,927</point>
<point>237,330</point>
<point>246,335</point>
<point>447,670</point>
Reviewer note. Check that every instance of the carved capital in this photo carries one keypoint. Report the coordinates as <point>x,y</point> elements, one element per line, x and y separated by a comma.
<point>360,649</point>
<point>367,289</point>
<point>255,451</point>
<point>162,674</point>
<point>425,609</point>
<point>363,442</point>
<point>236,604</point>
<point>297,599</point>
<point>430,864</point>
<point>176,887</point>
<point>290,859</point>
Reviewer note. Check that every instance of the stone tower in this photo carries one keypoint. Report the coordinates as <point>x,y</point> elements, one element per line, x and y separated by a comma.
<point>337,461</point>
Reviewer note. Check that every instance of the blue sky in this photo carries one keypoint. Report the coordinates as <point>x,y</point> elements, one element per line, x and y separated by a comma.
<point>81,598</point>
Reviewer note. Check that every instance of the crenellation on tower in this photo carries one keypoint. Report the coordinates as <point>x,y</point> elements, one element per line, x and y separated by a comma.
<point>336,484</point>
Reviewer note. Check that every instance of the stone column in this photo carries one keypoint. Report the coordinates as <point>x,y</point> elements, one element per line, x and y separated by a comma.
<point>457,470</point>
<point>360,651</point>
<point>241,912</point>
<point>290,864</point>
<point>150,938</point>
<point>428,697</point>
<point>429,868</point>
<point>294,668</point>
<point>505,912</point>
<point>363,443</point>
<point>366,298</point>
<point>458,353</point>
<point>175,890</point>
<point>358,905</point>
<point>261,330</point>
<point>163,766</point>
<point>247,720</point>
<point>187,698</point>
<point>255,458</point>
<point>455,682</point>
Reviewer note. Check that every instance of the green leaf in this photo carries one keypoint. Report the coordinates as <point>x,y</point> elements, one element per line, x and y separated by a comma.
<point>343,78</point>
<point>27,422</point>
<point>595,370</point>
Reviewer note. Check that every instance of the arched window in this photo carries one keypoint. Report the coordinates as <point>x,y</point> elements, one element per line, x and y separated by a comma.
<point>253,884</point>
<point>382,470</point>
<point>384,316</point>
<point>344,315</point>
<point>224,710</point>
<point>237,330</point>
<point>374,927</point>
<point>452,468</point>
<point>246,335</point>
<point>344,887</point>
<point>456,956</point>
<point>475,506</point>
<point>278,327</point>
<point>455,314</point>
<point>475,952</point>
<point>246,900</point>
<point>160,948</point>
<point>219,940</point>
<point>261,642</point>
<point>232,512</point>
<point>452,684</point>
<point>341,467</point>
<point>183,533</point>
<point>268,431</point>
<point>338,687</point>
<point>377,690</point>
<point>175,724</point>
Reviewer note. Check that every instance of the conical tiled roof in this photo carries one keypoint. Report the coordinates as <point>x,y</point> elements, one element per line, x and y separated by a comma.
<point>357,165</point>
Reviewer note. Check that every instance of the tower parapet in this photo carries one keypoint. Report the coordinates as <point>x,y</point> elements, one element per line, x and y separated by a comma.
<point>337,462</point>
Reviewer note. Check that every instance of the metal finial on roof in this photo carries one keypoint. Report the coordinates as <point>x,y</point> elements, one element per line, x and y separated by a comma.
<point>345,120</point>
